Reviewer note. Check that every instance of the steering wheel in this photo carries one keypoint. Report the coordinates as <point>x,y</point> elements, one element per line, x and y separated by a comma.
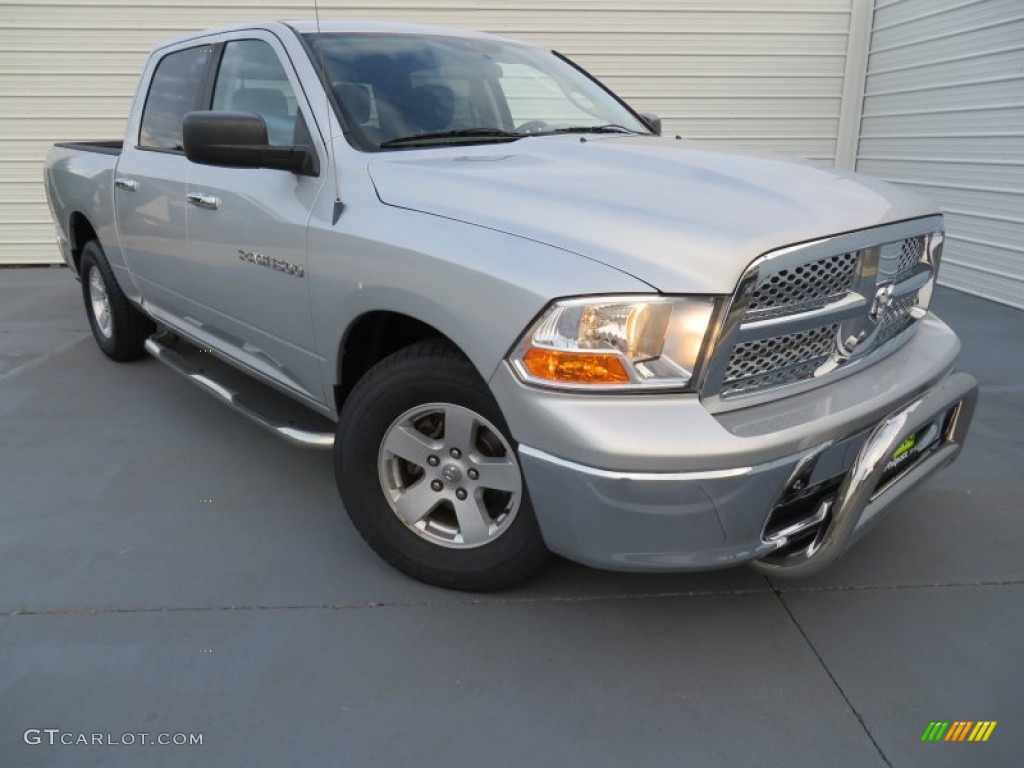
<point>533,126</point>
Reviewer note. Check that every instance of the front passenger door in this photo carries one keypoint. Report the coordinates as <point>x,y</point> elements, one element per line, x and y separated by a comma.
<point>247,227</point>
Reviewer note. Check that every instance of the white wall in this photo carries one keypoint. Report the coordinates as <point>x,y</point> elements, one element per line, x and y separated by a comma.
<point>944,113</point>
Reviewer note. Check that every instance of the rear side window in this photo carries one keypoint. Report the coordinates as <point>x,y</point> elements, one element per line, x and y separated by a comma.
<point>173,93</point>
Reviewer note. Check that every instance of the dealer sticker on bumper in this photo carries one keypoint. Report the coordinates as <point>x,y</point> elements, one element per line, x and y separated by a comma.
<point>912,447</point>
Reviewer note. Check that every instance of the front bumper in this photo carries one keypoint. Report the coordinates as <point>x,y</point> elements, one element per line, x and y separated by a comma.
<point>711,505</point>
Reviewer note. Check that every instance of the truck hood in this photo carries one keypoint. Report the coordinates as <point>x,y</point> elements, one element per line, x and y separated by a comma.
<point>682,217</point>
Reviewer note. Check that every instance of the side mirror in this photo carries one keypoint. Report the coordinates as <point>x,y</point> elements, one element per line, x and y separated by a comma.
<point>239,140</point>
<point>653,122</point>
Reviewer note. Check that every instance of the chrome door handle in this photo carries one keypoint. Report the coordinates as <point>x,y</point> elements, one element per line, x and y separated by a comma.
<point>122,183</point>
<point>203,201</point>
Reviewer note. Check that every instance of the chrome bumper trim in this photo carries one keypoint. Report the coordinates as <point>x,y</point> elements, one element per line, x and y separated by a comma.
<point>608,474</point>
<point>781,538</point>
<point>859,501</point>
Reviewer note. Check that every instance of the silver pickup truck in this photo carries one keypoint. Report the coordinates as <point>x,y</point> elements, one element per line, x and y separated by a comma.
<point>523,320</point>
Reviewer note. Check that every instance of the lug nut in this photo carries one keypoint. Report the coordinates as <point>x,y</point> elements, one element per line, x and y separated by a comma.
<point>460,494</point>
<point>433,461</point>
<point>456,453</point>
<point>437,485</point>
<point>473,474</point>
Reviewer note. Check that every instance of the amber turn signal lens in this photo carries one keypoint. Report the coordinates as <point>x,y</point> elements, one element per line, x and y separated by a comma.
<point>575,367</point>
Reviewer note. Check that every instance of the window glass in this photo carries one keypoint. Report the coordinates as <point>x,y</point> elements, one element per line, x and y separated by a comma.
<point>252,79</point>
<point>535,95</point>
<point>173,92</point>
<point>403,86</point>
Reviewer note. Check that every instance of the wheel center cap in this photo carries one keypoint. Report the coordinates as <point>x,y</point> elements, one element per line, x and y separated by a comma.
<point>451,473</point>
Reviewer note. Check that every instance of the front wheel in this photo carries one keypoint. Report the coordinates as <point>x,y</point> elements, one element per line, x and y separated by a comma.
<point>430,477</point>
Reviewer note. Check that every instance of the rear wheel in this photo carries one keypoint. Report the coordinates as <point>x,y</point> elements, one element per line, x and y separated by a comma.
<point>430,477</point>
<point>119,328</point>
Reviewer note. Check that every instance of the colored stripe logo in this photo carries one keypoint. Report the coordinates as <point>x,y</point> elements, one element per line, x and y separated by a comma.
<point>959,730</point>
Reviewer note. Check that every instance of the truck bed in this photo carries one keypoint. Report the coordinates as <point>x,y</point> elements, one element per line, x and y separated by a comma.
<point>79,179</point>
<point>104,147</point>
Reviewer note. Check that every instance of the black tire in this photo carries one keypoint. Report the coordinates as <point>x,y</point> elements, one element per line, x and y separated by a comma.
<point>123,337</point>
<point>430,372</point>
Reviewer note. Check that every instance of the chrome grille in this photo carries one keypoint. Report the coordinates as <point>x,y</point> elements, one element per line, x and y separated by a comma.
<point>804,286</point>
<point>911,251</point>
<point>898,260</point>
<point>804,313</point>
<point>778,360</point>
<point>896,319</point>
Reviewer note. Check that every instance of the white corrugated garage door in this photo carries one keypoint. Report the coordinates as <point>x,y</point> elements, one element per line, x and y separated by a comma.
<point>944,113</point>
<point>764,74</point>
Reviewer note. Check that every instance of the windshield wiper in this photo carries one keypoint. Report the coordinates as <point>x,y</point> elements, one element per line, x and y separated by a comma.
<point>609,128</point>
<point>462,133</point>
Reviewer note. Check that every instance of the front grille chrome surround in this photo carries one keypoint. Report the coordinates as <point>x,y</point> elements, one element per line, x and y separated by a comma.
<point>813,312</point>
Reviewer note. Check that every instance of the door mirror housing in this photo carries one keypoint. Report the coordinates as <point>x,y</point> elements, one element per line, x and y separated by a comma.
<point>239,140</point>
<point>653,122</point>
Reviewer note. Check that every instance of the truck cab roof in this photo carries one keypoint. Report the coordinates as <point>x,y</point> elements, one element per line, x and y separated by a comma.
<point>308,26</point>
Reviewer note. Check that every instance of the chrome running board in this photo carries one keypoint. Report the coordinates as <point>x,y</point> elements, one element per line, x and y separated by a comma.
<point>156,347</point>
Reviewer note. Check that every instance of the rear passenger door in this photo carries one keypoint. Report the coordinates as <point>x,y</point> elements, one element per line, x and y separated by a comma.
<point>151,179</point>
<point>247,227</point>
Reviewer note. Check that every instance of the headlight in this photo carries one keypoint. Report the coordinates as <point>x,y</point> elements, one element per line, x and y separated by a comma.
<point>621,342</point>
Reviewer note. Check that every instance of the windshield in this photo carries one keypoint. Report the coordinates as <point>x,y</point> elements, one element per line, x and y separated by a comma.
<point>400,91</point>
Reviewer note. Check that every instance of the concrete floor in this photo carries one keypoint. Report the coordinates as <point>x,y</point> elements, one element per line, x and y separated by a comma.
<point>260,619</point>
